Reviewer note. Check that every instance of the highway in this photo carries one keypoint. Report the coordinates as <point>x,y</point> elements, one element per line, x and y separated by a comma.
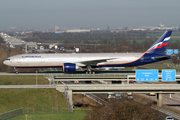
<point>172,100</point>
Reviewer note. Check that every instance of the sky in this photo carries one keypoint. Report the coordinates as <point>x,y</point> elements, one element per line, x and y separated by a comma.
<point>43,14</point>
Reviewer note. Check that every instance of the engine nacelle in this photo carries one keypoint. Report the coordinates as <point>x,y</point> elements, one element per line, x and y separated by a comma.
<point>69,67</point>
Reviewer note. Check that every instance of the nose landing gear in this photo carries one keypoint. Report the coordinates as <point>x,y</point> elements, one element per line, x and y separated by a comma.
<point>16,70</point>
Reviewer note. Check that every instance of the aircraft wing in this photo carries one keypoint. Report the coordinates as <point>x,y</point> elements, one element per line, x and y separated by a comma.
<point>95,62</point>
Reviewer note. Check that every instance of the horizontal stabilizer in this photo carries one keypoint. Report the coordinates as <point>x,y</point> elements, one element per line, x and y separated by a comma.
<point>161,57</point>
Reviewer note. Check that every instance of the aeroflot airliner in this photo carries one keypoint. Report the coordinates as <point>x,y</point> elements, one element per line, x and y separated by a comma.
<point>70,62</point>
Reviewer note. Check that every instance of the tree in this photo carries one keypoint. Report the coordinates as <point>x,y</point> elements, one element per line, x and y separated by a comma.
<point>123,109</point>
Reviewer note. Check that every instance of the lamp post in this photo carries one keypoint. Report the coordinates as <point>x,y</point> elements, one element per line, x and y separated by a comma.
<point>26,116</point>
<point>36,79</point>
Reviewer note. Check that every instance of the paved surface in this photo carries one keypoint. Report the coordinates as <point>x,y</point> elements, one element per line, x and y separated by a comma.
<point>136,88</point>
<point>173,100</point>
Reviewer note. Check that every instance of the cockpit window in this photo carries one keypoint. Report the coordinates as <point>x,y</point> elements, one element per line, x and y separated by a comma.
<point>7,59</point>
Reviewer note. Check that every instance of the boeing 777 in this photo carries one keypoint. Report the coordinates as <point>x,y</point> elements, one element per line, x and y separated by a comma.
<point>70,62</point>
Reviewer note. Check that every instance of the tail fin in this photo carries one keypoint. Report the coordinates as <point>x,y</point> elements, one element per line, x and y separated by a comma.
<point>160,45</point>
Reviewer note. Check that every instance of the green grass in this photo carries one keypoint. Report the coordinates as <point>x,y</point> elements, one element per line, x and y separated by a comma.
<point>77,115</point>
<point>22,80</point>
<point>175,33</point>
<point>11,99</point>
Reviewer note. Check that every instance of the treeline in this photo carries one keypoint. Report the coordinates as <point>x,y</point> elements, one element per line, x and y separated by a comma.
<point>92,36</point>
<point>117,45</point>
<point>114,42</point>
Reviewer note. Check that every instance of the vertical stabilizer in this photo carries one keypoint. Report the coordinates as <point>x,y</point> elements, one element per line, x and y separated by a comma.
<point>160,45</point>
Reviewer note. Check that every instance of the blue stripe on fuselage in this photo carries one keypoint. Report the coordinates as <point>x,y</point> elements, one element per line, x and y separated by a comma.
<point>145,59</point>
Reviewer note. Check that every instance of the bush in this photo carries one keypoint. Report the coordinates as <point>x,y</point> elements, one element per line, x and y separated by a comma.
<point>123,109</point>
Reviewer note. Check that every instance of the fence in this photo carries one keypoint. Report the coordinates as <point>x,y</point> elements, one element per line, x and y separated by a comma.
<point>67,99</point>
<point>26,111</point>
<point>11,114</point>
<point>45,110</point>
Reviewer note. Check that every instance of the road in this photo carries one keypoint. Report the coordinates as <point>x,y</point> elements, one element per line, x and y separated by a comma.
<point>172,101</point>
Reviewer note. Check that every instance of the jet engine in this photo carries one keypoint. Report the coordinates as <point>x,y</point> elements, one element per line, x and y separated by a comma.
<point>69,67</point>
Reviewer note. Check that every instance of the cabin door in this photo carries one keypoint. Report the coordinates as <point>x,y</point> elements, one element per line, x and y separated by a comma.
<point>19,60</point>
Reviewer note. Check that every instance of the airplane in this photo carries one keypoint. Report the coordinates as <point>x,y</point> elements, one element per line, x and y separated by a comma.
<point>70,62</point>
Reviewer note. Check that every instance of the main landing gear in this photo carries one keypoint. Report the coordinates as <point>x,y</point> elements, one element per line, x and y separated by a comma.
<point>89,70</point>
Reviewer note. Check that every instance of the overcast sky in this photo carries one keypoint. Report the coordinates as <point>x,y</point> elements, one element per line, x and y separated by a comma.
<point>88,13</point>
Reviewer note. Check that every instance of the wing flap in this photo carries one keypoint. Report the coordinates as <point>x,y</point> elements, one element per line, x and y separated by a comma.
<point>95,62</point>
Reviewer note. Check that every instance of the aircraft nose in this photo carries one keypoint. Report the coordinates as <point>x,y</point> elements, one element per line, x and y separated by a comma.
<point>4,62</point>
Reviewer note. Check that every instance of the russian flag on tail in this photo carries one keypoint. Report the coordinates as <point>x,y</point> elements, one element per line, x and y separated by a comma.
<point>159,46</point>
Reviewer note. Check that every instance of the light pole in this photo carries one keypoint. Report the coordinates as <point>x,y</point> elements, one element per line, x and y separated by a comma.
<point>36,79</point>
<point>26,116</point>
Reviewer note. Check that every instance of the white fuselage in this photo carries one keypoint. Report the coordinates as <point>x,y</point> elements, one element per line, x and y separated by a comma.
<point>57,60</point>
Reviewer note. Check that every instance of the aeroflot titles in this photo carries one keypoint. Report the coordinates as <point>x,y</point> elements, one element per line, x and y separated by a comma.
<point>31,56</point>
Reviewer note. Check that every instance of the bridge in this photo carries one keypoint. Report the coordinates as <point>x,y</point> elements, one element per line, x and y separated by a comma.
<point>99,77</point>
<point>116,88</point>
<point>90,77</point>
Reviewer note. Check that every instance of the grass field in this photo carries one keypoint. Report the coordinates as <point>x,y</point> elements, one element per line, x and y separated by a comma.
<point>11,99</point>
<point>22,80</point>
<point>77,115</point>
